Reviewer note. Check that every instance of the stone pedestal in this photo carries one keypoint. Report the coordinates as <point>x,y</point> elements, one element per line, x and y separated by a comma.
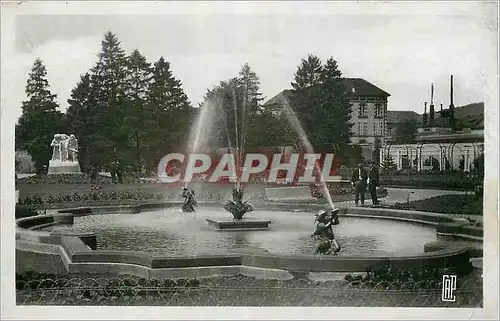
<point>57,167</point>
<point>241,225</point>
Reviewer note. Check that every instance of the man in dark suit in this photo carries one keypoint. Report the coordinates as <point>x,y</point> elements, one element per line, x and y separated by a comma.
<point>373,182</point>
<point>359,177</point>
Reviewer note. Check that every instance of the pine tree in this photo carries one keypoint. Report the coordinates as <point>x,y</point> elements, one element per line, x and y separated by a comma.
<point>83,119</point>
<point>321,103</point>
<point>251,84</point>
<point>109,77</point>
<point>169,113</point>
<point>306,93</point>
<point>139,75</point>
<point>40,119</point>
<point>388,163</point>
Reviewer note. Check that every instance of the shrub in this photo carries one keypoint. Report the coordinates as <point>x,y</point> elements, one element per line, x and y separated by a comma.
<point>416,278</point>
<point>25,211</point>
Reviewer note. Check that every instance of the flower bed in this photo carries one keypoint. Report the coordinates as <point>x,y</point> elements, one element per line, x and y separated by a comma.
<point>98,197</point>
<point>74,179</point>
<point>317,191</point>
<point>411,279</point>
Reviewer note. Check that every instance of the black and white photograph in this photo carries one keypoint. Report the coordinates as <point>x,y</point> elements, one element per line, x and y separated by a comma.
<point>284,159</point>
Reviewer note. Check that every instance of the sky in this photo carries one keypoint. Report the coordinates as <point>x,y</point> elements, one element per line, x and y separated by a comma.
<point>402,53</point>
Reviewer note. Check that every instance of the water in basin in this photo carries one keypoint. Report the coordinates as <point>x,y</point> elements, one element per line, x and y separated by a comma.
<point>172,232</point>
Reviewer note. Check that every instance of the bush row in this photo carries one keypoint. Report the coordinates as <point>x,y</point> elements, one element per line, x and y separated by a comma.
<point>417,278</point>
<point>430,182</point>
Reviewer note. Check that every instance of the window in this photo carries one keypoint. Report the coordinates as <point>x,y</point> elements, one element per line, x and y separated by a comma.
<point>362,128</point>
<point>379,111</point>
<point>362,110</point>
<point>378,129</point>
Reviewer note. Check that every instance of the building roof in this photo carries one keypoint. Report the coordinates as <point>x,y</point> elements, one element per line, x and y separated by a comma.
<point>361,88</point>
<point>399,116</point>
<point>278,99</point>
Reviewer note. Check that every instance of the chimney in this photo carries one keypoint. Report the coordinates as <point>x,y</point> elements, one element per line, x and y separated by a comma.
<point>424,116</point>
<point>431,108</point>
<point>452,107</point>
<point>441,107</point>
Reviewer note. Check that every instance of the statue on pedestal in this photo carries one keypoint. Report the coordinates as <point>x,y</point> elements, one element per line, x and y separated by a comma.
<point>64,155</point>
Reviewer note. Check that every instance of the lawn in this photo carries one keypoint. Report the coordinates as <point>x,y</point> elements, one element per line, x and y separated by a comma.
<point>446,204</point>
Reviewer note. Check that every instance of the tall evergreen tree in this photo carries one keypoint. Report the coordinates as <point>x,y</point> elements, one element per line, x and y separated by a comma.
<point>83,119</point>
<point>109,77</point>
<point>40,119</point>
<point>306,93</point>
<point>321,103</point>
<point>169,113</point>
<point>139,75</point>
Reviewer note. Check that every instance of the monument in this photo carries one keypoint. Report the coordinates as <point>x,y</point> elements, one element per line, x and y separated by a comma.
<point>64,155</point>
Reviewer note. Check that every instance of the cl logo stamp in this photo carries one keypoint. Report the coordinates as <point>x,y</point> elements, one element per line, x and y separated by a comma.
<point>449,287</point>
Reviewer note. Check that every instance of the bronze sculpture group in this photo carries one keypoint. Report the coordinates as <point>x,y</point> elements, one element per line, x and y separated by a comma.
<point>189,201</point>
<point>326,219</point>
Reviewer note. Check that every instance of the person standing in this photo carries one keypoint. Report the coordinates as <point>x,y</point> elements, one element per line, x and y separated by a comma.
<point>359,177</point>
<point>373,182</point>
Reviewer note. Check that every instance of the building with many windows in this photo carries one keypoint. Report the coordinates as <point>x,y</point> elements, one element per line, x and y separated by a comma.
<point>368,114</point>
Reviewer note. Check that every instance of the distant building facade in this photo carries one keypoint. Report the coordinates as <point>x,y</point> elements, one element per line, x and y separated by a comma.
<point>368,113</point>
<point>449,139</point>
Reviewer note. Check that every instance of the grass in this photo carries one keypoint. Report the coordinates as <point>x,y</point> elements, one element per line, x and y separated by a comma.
<point>445,204</point>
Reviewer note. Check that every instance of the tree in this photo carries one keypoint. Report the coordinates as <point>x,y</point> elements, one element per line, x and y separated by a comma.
<point>406,132</point>
<point>388,163</point>
<point>321,103</point>
<point>306,93</point>
<point>139,76</point>
<point>168,113</point>
<point>109,77</point>
<point>237,104</point>
<point>251,84</point>
<point>83,119</point>
<point>40,119</point>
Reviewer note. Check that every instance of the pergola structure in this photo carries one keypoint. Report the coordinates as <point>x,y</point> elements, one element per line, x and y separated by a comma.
<point>445,148</point>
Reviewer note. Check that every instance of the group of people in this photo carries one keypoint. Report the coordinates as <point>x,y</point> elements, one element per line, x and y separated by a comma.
<point>361,179</point>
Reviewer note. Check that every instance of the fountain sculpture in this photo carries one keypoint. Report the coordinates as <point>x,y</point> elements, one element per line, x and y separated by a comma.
<point>324,232</point>
<point>189,201</point>
<point>237,206</point>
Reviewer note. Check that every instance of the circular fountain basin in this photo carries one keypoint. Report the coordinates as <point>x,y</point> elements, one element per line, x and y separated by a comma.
<point>173,232</point>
